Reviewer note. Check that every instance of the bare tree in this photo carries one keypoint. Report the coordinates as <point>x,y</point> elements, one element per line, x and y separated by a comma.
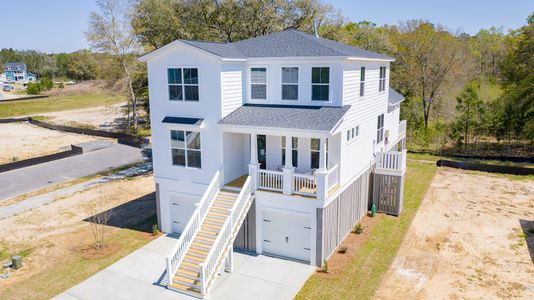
<point>110,31</point>
<point>99,219</point>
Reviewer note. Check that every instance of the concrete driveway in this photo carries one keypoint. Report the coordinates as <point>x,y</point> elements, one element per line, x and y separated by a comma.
<point>141,275</point>
<point>28,179</point>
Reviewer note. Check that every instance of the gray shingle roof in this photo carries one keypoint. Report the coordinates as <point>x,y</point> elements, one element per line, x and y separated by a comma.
<point>394,97</point>
<point>288,43</point>
<point>321,118</point>
<point>15,66</point>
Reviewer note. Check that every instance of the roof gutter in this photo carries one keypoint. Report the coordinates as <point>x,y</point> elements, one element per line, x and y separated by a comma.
<point>370,59</point>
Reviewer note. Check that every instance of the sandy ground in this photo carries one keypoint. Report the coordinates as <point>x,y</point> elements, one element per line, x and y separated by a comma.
<point>467,241</point>
<point>101,117</point>
<point>57,231</point>
<point>23,141</point>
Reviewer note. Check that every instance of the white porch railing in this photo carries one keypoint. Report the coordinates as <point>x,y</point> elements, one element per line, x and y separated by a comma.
<point>193,226</point>
<point>270,180</point>
<point>223,242</point>
<point>332,177</point>
<point>402,128</point>
<point>391,162</point>
<point>304,184</point>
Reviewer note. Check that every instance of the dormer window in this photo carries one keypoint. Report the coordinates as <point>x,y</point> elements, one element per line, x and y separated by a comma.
<point>320,83</point>
<point>290,83</point>
<point>183,84</point>
<point>258,83</point>
<point>382,80</point>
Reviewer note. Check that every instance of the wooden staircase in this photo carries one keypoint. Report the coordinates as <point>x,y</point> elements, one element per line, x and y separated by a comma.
<point>187,277</point>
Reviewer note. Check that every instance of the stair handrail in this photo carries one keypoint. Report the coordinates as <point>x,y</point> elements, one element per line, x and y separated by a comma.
<point>174,259</point>
<point>207,268</point>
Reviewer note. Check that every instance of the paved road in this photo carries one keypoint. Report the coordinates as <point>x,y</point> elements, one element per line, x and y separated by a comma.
<point>28,179</point>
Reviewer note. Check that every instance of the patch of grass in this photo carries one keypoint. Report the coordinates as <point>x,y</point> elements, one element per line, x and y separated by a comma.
<point>62,275</point>
<point>37,106</point>
<point>362,276</point>
<point>6,252</point>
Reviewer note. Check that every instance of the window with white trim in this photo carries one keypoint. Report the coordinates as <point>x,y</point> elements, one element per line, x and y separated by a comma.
<point>380,129</point>
<point>185,149</point>
<point>320,83</point>
<point>382,80</point>
<point>294,151</point>
<point>290,83</point>
<point>315,153</point>
<point>258,83</point>
<point>353,133</point>
<point>183,84</point>
<point>362,81</point>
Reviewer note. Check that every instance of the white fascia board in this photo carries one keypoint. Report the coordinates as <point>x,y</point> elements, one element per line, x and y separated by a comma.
<point>370,59</point>
<point>278,131</point>
<point>234,59</point>
<point>170,46</point>
<point>297,58</point>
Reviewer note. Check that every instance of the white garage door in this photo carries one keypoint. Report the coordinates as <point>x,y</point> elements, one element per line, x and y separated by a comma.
<point>181,208</point>
<point>286,235</point>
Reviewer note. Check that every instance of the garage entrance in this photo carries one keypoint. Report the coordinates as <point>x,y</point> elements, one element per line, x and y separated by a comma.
<point>286,235</point>
<point>181,209</point>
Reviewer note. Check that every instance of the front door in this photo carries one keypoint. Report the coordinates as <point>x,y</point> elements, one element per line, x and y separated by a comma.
<point>262,149</point>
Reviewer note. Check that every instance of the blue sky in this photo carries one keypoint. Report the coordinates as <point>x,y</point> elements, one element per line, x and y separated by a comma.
<point>58,25</point>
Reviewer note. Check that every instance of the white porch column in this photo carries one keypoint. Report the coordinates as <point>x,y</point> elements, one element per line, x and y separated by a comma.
<point>288,167</point>
<point>322,180</point>
<point>253,166</point>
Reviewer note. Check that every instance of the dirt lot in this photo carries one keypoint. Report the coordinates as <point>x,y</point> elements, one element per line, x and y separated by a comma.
<point>23,141</point>
<point>57,239</point>
<point>101,117</point>
<point>473,237</point>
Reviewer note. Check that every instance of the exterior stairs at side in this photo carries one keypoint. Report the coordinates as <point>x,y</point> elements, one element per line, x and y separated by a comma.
<point>187,277</point>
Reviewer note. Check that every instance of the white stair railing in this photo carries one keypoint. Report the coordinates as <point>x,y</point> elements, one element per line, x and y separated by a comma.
<point>174,259</point>
<point>226,236</point>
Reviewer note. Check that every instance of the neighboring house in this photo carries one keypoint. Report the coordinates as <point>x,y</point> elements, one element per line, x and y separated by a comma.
<point>269,145</point>
<point>16,72</point>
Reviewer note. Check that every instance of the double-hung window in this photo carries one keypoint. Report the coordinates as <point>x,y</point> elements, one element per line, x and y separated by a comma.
<point>183,84</point>
<point>380,129</point>
<point>294,151</point>
<point>258,83</point>
<point>382,80</point>
<point>362,81</point>
<point>185,148</point>
<point>315,147</point>
<point>320,83</point>
<point>290,83</point>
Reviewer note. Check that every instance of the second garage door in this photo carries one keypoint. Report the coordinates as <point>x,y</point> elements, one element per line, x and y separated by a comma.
<point>286,235</point>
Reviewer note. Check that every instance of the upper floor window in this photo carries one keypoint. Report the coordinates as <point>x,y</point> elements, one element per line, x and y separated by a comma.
<point>183,84</point>
<point>382,80</point>
<point>353,133</point>
<point>290,83</point>
<point>258,83</point>
<point>294,151</point>
<point>320,83</point>
<point>315,147</point>
<point>185,148</point>
<point>380,129</point>
<point>362,81</point>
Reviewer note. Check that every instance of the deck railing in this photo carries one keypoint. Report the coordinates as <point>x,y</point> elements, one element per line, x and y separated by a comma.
<point>391,161</point>
<point>304,184</point>
<point>270,180</point>
<point>224,240</point>
<point>332,177</point>
<point>193,226</point>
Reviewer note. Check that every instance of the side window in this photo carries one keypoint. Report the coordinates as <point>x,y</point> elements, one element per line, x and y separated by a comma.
<point>185,149</point>
<point>353,133</point>
<point>290,83</point>
<point>320,83</point>
<point>380,129</point>
<point>362,81</point>
<point>258,83</point>
<point>382,80</point>
<point>183,84</point>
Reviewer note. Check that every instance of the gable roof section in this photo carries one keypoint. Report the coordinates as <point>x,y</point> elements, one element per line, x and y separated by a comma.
<point>288,43</point>
<point>319,118</point>
<point>394,97</point>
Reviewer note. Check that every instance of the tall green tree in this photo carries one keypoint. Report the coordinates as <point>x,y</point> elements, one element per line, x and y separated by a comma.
<point>470,108</point>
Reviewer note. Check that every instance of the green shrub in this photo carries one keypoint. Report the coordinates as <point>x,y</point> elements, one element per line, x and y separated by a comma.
<point>155,230</point>
<point>34,88</point>
<point>342,250</point>
<point>47,83</point>
<point>324,268</point>
<point>358,229</point>
<point>60,85</point>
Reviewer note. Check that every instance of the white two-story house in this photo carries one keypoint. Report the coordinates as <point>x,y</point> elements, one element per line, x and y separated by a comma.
<point>269,145</point>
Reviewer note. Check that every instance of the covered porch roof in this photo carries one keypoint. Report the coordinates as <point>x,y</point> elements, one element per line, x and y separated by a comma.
<point>284,118</point>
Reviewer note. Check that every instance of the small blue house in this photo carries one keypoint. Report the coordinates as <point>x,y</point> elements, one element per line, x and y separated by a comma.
<point>16,72</point>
